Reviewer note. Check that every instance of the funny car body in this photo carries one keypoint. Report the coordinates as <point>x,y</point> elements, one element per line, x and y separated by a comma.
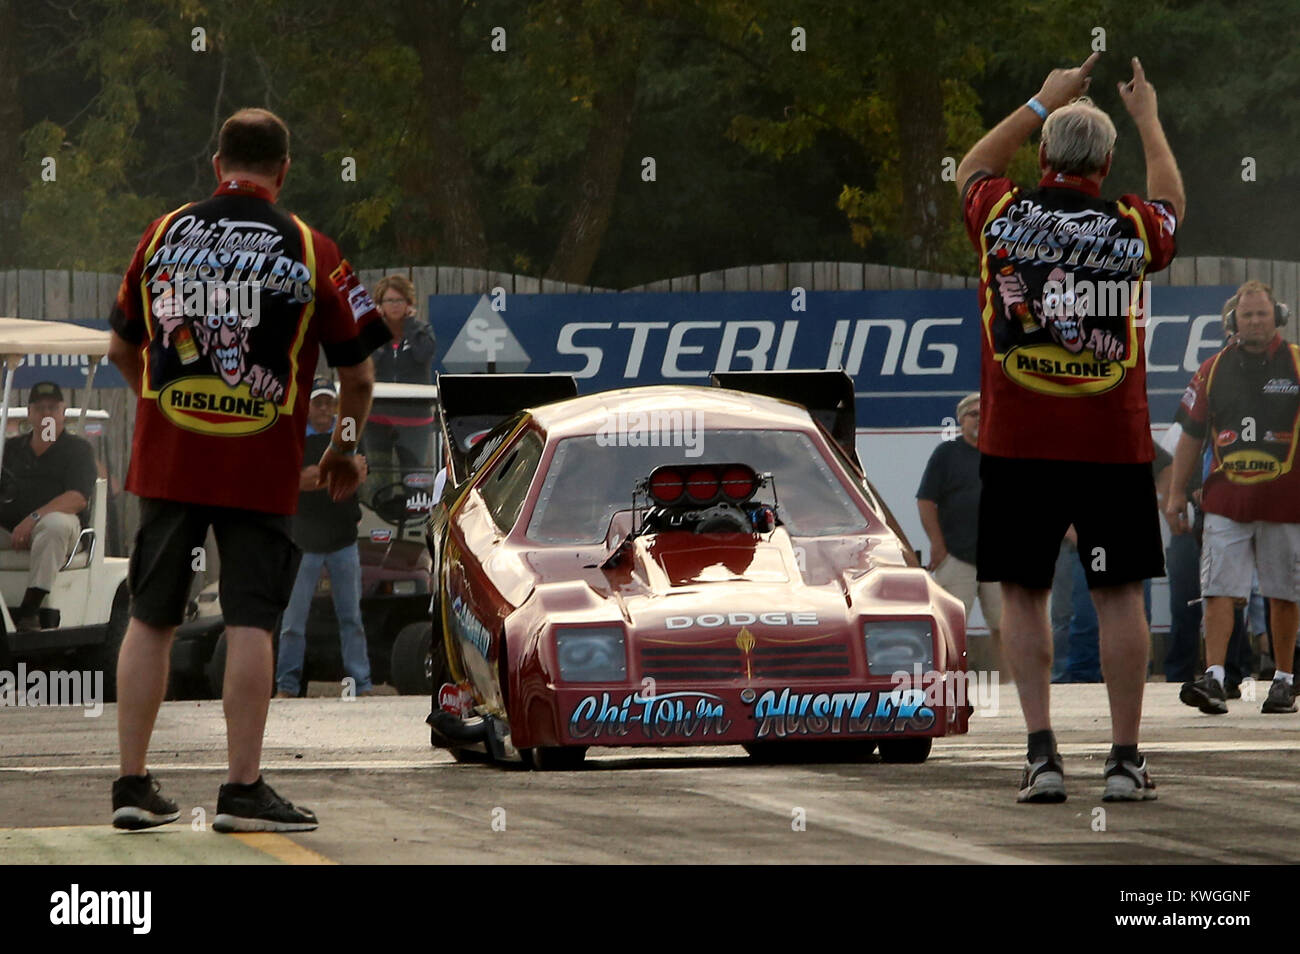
<point>678,566</point>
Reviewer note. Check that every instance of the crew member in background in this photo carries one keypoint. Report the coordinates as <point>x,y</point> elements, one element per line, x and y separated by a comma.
<point>45,494</point>
<point>1245,400</point>
<point>399,427</point>
<point>949,503</point>
<point>326,532</point>
<point>1066,434</point>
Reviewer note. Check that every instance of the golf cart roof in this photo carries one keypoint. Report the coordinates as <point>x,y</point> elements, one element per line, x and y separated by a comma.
<point>94,414</point>
<point>23,336</point>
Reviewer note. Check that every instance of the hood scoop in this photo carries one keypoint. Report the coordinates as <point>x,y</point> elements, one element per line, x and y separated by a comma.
<point>689,559</point>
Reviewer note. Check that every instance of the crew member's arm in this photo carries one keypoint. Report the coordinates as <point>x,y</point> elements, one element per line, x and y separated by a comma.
<point>70,501</point>
<point>1163,179</point>
<point>340,468</point>
<point>930,521</point>
<point>1186,456</point>
<point>309,478</point>
<point>993,153</point>
<point>126,358</point>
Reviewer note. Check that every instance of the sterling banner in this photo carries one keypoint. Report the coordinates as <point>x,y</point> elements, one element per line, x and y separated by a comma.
<point>911,354</point>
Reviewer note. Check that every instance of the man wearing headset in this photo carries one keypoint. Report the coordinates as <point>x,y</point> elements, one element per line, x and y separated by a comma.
<point>1245,401</point>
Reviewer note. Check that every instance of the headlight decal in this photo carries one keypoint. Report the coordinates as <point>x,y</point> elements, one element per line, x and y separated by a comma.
<point>591,654</point>
<point>898,645</point>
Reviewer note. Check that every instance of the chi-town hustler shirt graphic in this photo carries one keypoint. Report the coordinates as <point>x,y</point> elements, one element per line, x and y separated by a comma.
<point>214,366</point>
<point>230,301</point>
<point>1061,301</point>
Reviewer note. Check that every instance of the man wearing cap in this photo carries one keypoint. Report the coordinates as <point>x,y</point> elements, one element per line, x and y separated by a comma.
<point>49,479</point>
<point>326,532</point>
<point>949,502</point>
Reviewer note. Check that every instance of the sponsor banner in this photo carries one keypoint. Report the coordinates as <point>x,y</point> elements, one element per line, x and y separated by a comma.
<point>911,354</point>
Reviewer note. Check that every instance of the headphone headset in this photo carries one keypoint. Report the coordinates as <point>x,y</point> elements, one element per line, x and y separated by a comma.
<point>1280,311</point>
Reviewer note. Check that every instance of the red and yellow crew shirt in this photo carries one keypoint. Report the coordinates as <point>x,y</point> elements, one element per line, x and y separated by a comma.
<point>1063,363</point>
<point>1248,407</point>
<point>229,301</point>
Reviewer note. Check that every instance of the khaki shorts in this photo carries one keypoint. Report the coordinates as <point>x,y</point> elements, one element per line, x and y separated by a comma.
<point>958,578</point>
<point>1231,552</point>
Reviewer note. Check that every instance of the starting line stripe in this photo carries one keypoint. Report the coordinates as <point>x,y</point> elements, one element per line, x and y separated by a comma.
<point>281,848</point>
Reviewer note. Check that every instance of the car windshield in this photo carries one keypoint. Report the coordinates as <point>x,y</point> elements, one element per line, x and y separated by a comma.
<point>590,478</point>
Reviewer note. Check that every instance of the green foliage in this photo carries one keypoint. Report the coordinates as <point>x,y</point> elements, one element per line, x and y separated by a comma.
<point>763,153</point>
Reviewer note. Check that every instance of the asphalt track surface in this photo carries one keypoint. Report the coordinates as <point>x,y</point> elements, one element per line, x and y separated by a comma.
<point>1228,793</point>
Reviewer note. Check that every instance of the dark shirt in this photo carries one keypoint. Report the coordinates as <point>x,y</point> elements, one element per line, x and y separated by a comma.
<point>30,482</point>
<point>321,525</point>
<point>952,480</point>
<point>410,359</point>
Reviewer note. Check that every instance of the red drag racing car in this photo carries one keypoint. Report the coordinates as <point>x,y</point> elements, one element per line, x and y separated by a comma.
<point>678,566</point>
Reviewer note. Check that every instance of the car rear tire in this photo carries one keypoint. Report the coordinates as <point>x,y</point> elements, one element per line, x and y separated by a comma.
<point>413,666</point>
<point>901,751</point>
<point>788,753</point>
<point>555,758</point>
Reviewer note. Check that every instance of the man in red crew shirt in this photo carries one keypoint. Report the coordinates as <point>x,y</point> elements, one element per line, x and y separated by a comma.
<point>1065,436</point>
<point>1246,402</point>
<point>216,328</point>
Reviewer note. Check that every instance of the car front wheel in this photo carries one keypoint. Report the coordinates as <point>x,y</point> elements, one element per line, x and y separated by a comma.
<point>905,750</point>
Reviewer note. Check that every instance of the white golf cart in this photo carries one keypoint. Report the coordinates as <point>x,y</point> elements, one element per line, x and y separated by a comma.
<point>87,610</point>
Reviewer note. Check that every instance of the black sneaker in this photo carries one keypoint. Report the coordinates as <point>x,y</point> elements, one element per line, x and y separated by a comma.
<point>1128,782</point>
<point>1281,698</point>
<point>1232,690</point>
<point>257,807</point>
<point>1043,781</point>
<point>138,803</point>
<point>1206,694</point>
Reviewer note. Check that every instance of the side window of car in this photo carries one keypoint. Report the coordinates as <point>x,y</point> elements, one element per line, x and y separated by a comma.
<point>506,485</point>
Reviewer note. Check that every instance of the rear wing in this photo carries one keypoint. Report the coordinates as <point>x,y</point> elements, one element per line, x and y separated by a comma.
<point>828,396</point>
<point>473,404</point>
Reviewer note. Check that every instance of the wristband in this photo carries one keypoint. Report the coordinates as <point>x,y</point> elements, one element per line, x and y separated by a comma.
<point>340,451</point>
<point>1038,107</point>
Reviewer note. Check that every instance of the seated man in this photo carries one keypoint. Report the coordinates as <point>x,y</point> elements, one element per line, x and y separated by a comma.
<point>49,478</point>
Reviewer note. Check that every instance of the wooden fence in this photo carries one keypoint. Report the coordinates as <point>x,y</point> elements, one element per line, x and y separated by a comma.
<point>58,295</point>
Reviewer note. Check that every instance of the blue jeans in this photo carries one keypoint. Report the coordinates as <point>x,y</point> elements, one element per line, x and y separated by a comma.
<point>1183,558</point>
<point>344,568</point>
<point>1062,608</point>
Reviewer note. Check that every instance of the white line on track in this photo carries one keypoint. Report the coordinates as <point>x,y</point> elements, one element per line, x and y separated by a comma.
<point>873,827</point>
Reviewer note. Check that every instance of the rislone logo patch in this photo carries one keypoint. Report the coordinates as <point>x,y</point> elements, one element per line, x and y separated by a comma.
<point>209,406</point>
<point>1050,369</point>
<point>1252,467</point>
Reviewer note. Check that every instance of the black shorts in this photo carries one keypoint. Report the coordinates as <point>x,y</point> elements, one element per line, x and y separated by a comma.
<point>259,561</point>
<point>1026,506</point>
